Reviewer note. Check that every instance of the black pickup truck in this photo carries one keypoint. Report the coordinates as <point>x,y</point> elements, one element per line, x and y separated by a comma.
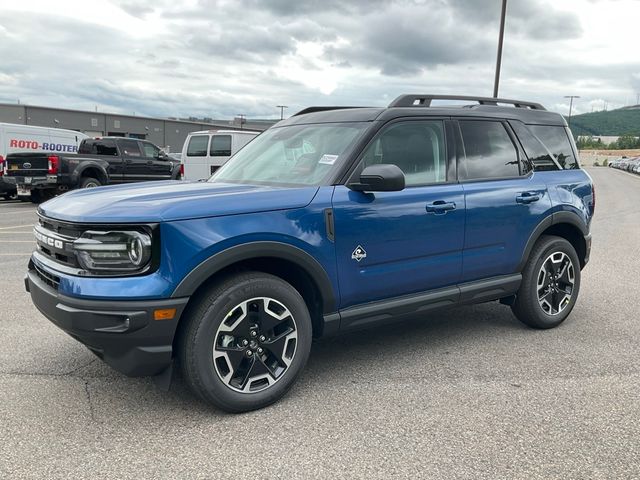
<point>99,161</point>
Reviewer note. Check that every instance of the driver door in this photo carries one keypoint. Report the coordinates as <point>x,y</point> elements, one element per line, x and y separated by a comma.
<point>390,244</point>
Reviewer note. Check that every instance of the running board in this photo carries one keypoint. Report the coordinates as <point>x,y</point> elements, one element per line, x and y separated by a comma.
<point>361,316</point>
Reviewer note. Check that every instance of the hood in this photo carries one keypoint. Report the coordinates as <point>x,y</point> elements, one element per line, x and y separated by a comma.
<point>151,202</point>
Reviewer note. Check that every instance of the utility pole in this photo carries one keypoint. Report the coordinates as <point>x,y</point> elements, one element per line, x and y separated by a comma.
<point>281,107</point>
<point>500,42</point>
<point>571,105</point>
<point>243,119</point>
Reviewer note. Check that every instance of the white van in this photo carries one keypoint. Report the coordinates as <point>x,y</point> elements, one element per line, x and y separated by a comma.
<point>15,138</point>
<point>206,151</point>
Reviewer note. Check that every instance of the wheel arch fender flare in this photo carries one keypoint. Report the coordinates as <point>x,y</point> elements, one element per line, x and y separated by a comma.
<point>554,219</point>
<point>83,166</point>
<point>175,171</point>
<point>256,250</point>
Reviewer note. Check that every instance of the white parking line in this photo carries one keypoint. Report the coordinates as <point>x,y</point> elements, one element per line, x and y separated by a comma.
<point>15,226</point>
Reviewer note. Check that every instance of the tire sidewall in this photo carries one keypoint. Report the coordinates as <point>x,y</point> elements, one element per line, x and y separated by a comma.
<point>551,246</point>
<point>210,321</point>
<point>88,180</point>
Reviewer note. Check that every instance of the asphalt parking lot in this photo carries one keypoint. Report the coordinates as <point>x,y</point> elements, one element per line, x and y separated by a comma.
<point>468,393</point>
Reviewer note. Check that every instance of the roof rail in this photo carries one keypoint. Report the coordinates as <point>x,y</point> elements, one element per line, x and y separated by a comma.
<point>319,109</point>
<point>414,100</point>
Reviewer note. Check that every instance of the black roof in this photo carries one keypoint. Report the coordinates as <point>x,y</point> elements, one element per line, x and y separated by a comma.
<point>415,105</point>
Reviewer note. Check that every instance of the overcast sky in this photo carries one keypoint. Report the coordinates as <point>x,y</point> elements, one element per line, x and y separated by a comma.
<point>219,58</point>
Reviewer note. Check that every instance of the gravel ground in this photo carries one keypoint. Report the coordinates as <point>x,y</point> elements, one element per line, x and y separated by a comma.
<point>466,393</point>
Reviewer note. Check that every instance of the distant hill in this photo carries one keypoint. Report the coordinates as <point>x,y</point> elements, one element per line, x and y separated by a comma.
<point>623,121</point>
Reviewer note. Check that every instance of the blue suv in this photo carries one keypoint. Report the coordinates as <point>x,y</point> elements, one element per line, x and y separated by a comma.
<point>335,219</point>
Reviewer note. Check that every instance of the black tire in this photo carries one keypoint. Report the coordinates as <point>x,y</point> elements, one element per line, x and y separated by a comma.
<point>36,196</point>
<point>89,182</point>
<point>200,341</point>
<point>533,309</point>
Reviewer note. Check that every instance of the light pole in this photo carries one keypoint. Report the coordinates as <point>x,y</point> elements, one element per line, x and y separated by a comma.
<point>281,107</point>
<point>571,105</point>
<point>500,42</point>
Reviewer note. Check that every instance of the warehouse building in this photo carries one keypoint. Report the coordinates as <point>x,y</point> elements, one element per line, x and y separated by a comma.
<point>164,132</point>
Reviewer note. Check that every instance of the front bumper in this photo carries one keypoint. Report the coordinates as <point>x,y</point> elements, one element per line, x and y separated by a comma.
<point>122,333</point>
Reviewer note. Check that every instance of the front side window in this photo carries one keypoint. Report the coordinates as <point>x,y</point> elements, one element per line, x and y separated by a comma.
<point>221,146</point>
<point>417,148</point>
<point>488,151</point>
<point>557,141</point>
<point>295,155</point>
<point>150,150</point>
<point>198,146</point>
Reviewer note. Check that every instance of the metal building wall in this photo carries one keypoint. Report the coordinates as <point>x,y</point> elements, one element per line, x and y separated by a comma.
<point>164,133</point>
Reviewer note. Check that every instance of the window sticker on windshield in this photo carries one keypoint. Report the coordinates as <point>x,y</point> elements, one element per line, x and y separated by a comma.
<point>328,159</point>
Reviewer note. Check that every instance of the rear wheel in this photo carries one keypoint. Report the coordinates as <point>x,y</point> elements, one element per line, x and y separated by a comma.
<point>246,342</point>
<point>550,284</point>
<point>89,182</point>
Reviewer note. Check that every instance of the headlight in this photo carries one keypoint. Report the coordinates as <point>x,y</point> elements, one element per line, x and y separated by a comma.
<point>119,251</point>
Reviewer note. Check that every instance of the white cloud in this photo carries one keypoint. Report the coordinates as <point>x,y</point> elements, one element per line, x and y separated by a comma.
<point>220,58</point>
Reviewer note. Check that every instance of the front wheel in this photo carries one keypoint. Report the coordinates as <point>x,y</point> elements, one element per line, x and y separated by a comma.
<point>550,284</point>
<point>246,342</point>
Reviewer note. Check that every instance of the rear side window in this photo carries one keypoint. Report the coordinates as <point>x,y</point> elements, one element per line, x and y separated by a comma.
<point>130,148</point>
<point>198,146</point>
<point>221,146</point>
<point>557,141</point>
<point>99,147</point>
<point>488,151</point>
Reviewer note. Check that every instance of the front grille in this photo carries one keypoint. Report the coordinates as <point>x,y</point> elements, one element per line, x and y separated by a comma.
<point>55,239</point>
<point>48,278</point>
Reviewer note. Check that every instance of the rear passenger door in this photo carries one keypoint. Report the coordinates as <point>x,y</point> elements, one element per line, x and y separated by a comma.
<point>220,151</point>
<point>135,165</point>
<point>505,200</point>
<point>106,149</point>
<point>195,158</point>
<point>390,244</point>
<point>158,167</point>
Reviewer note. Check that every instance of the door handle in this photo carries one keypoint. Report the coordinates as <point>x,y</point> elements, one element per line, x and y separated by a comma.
<point>528,197</point>
<point>149,162</point>
<point>440,207</point>
<point>128,161</point>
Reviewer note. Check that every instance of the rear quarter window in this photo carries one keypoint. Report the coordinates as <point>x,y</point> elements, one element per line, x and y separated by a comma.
<point>556,139</point>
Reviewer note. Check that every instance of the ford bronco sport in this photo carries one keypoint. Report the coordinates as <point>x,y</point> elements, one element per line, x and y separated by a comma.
<point>334,219</point>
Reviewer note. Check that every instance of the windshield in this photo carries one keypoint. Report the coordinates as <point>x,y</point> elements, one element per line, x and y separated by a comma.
<point>297,155</point>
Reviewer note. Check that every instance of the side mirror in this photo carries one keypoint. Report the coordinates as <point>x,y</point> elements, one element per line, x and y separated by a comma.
<point>380,178</point>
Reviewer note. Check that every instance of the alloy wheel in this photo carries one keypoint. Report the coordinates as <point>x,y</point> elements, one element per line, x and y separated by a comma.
<point>255,345</point>
<point>556,280</point>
